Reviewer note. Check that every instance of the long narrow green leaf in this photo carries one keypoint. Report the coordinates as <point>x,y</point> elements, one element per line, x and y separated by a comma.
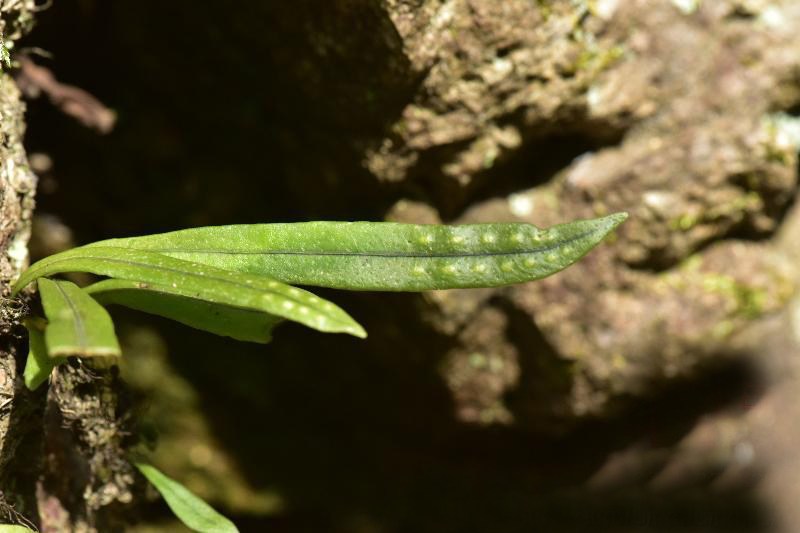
<point>203,282</point>
<point>39,364</point>
<point>191,510</point>
<point>76,323</point>
<point>164,300</point>
<point>383,255</point>
<point>8,528</point>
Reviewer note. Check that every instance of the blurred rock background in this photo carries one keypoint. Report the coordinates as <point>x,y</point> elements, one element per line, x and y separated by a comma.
<point>651,387</point>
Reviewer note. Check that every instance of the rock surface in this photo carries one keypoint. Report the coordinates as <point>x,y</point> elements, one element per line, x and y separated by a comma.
<point>683,113</point>
<point>695,149</point>
<point>17,186</point>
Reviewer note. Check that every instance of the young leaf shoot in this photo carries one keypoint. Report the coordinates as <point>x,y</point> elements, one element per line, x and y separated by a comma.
<point>234,281</point>
<point>76,323</point>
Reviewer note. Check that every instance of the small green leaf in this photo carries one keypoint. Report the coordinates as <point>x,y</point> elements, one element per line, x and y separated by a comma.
<point>76,323</point>
<point>39,364</point>
<point>203,282</point>
<point>191,510</point>
<point>163,300</point>
<point>383,255</point>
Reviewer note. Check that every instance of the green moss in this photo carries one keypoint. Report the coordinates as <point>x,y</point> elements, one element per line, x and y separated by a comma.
<point>783,132</point>
<point>687,6</point>
<point>723,329</point>
<point>684,222</point>
<point>489,158</point>
<point>545,8</point>
<point>596,60</point>
<point>477,360</point>
<point>5,57</point>
<point>748,202</point>
<point>743,301</point>
<point>750,301</point>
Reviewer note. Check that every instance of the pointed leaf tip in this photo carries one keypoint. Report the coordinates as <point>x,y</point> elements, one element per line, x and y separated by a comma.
<point>615,219</point>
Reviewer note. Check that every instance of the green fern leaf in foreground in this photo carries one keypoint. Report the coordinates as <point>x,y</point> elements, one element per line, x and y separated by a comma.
<point>236,281</point>
<point>384,256</point>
